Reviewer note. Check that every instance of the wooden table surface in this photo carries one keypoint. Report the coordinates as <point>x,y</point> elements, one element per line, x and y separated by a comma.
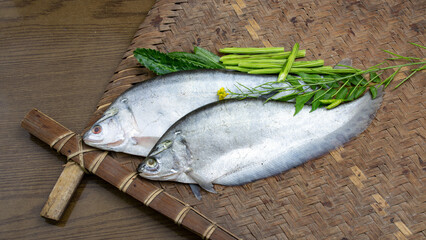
<point>57,56</point>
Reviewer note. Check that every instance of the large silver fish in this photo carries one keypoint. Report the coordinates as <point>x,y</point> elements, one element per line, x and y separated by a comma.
<point>235,142</point>
<point>140,116</point>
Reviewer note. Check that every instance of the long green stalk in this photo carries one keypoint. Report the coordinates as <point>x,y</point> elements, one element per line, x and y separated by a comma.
<point>282,55</point>
<point>287,65</point>
<point>319,70</point>
<point>252,50</point>
<point>307,64</point>
<point>409,76</point>
<point>240,69</point>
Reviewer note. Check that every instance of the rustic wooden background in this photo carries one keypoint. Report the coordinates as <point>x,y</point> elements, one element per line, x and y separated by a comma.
<point>58,56</point>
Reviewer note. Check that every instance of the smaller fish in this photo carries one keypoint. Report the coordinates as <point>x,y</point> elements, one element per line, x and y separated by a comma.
<point>235,142</point>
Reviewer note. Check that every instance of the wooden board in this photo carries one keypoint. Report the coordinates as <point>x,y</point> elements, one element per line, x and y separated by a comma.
<point>372,187</point>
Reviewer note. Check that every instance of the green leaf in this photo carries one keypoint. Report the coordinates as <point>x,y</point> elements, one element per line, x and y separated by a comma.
<point>316,104</point>
<point>329,94</point>
<point>373,91</point>
<point>355,80</point>
<point>161,63</point>
<point>342,93</point>
<point>195,59</point>
<point>301,100</point>
<point>294,81</point>
<point>351,95</point>
<point>359,92</point>
<point>374,77</point>
<point>206,54</point>
<point>310,79</point>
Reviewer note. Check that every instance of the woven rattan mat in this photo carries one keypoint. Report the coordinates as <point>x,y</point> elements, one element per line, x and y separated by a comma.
<point>371,188</point>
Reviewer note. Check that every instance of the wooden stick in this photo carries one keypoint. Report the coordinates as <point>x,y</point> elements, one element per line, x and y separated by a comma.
<point>62,192</point>
<point>107,168</point>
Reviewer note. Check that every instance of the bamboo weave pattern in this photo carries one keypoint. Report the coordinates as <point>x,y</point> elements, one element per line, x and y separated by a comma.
<point>369,189</point>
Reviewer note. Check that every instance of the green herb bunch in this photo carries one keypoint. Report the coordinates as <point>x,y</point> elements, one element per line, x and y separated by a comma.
<point>302,82</point>
<point>163,63</point>
<point>311,81</point>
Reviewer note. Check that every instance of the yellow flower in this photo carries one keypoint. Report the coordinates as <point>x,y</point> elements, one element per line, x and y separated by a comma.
<point>222,93</point>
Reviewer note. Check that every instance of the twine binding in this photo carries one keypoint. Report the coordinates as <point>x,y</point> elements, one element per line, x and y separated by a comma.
<point>127,181</point>
<point>64,138</point>
<point>97,162</point>
<point>152,196</point>
<point>182,214</point>
<point>209,231</point>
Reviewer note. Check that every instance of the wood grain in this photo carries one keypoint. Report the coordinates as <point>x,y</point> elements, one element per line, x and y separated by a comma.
<point>58,56</point>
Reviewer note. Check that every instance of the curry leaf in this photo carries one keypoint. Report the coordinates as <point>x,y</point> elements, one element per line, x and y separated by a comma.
<point>318,95</point>
<point>374,77</point>
<point>359,92</point>
<point>373,91</point>
<point>342,93</point>
<point>301,100</point>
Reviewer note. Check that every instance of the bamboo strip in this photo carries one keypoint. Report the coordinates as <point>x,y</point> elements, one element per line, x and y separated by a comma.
<point>56,135</point>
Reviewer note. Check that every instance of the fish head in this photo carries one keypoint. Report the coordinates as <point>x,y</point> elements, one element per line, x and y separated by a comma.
<point>107,133</point>
<point>162,163</point>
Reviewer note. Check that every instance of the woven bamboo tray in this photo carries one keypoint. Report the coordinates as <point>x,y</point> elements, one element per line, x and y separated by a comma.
<point>371,188</point>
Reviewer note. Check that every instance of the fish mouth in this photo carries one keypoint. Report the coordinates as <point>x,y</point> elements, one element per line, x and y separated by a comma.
<point>87,139</point>
<point>154,175</point>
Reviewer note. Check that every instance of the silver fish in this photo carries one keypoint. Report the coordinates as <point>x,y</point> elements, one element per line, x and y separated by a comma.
<point>139,117</point>
<point>235,142</point>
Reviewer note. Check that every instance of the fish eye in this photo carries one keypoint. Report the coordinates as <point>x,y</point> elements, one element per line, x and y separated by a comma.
<point>151,164</point>
<point>97,129</point>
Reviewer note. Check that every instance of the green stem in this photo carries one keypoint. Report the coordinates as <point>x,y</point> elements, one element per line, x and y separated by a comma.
<point>248,64</point>
<point>417,45</point>
<point>287,65</point>
<point>416,70</point>
<point>240,69</point>
<point>319,70</point>
<point>300,53</point>
<point>252,50</point>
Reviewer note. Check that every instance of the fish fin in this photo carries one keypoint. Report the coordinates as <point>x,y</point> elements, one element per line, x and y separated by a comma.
<point>344,62</point>
<point>148,142</point>
<point>196,190</point>
<point>206,185</point>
